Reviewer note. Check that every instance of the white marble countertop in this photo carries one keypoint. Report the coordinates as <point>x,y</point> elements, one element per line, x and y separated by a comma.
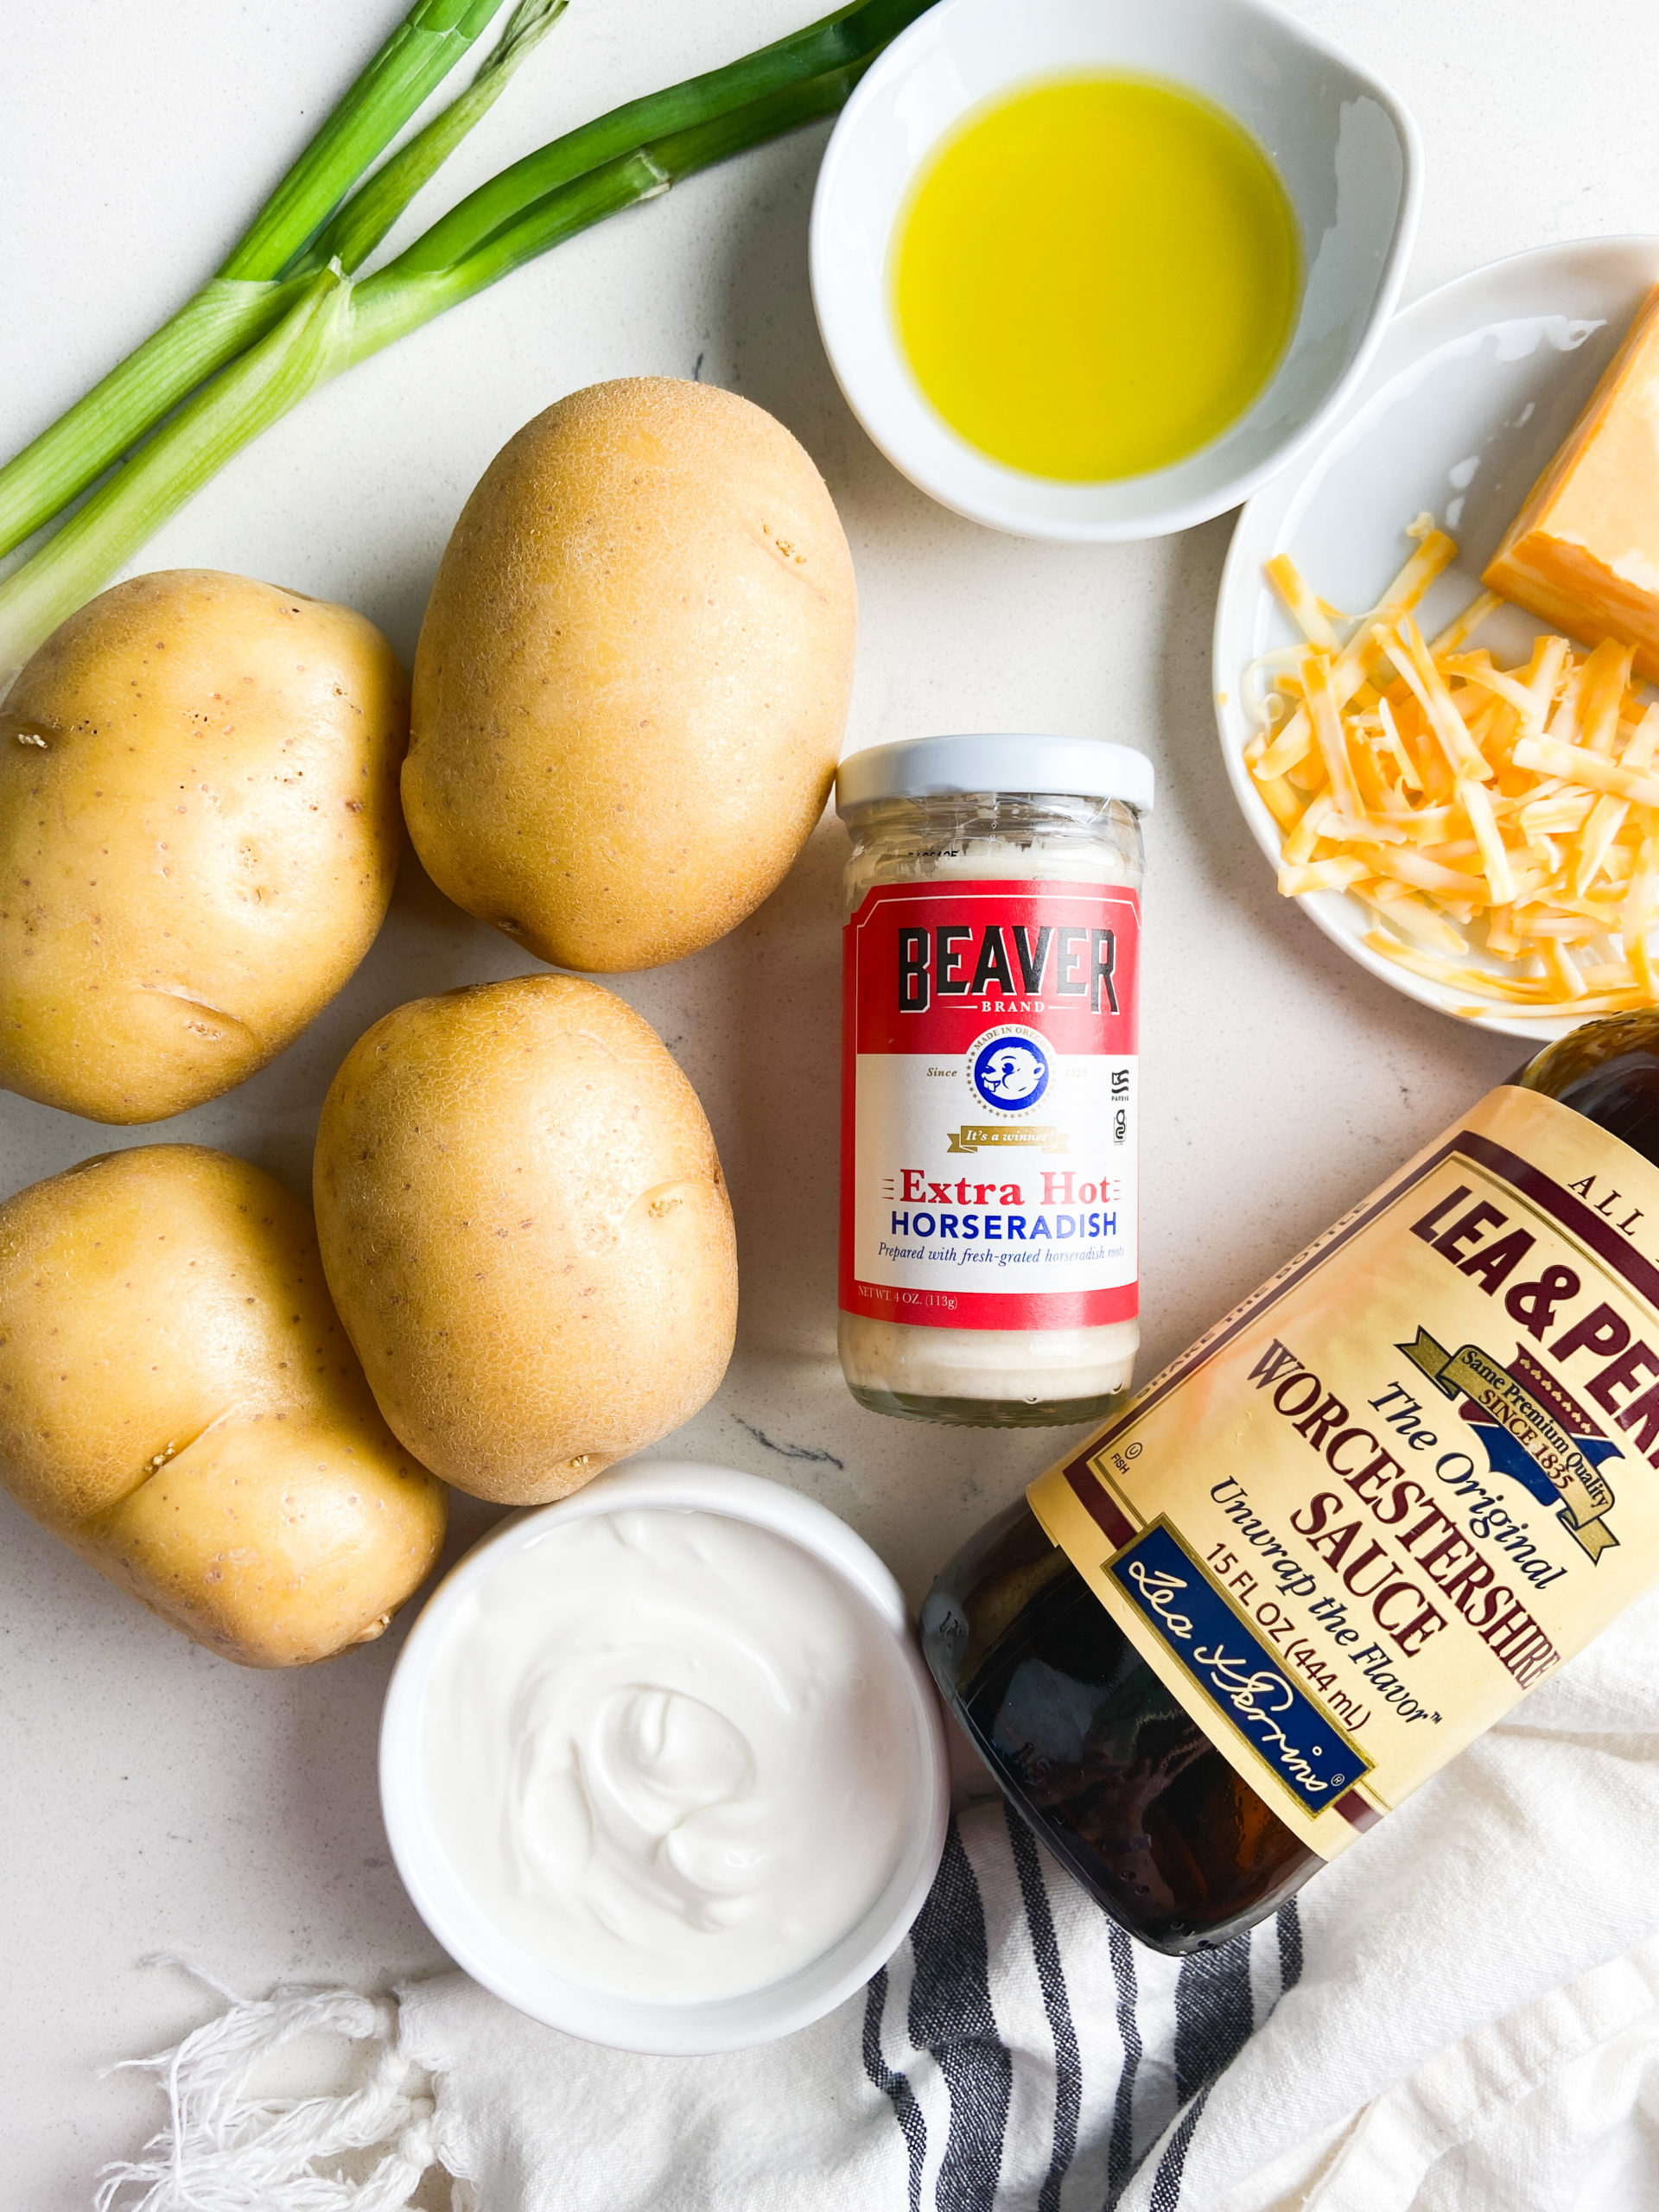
<point>157,1798</point>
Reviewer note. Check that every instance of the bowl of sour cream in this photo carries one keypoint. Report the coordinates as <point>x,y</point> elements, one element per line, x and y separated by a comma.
<point>661,1765</point>
<point>1094,269</point>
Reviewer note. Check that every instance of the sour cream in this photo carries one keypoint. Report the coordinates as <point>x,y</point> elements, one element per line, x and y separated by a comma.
<point>667,1754</point>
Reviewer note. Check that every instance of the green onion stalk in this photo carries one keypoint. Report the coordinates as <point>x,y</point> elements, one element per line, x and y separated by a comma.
<point>330,319</point>
<point>260,281</point>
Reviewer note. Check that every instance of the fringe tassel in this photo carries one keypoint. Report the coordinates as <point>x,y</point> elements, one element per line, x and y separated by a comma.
<point>223,2151</point>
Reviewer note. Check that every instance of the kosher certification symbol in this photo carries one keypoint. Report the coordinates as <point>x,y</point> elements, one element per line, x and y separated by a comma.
<point>1008,1069</point>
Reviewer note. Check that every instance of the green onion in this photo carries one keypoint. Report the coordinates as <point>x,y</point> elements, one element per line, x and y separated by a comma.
<point>634,154</point>
<point>281,367</point>
<point>850,39</point>
<point>248,294</point>
<point>360,225</point>
<point>414,61</point>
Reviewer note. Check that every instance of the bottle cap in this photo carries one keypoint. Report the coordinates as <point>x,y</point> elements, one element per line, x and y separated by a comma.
<point>939,767</point>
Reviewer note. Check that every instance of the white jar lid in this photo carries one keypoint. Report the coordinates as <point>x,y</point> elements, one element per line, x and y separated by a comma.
<point>938,767</point>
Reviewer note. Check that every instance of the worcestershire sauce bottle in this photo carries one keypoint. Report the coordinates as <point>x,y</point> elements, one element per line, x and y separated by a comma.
<point>1349,1528</point>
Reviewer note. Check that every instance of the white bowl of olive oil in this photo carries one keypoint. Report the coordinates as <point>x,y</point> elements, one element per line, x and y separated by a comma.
<point>1097,269</point>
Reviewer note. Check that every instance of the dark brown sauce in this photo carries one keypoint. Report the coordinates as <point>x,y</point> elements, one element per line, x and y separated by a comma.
<point>1101,1759</point>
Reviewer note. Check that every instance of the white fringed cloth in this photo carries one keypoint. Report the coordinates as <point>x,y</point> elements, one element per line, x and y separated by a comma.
<point>1462,2015</point>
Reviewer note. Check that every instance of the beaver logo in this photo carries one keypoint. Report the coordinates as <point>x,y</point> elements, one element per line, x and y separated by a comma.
<point>1008,1069</point>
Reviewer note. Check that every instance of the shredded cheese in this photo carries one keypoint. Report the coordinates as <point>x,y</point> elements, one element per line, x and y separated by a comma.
<point>1472,809</point>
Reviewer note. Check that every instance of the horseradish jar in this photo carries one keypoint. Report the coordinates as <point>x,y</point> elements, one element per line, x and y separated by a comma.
<point>988,1077</point>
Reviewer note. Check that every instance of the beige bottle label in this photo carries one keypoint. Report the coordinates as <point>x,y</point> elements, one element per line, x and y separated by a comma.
<point>1400,1484</point>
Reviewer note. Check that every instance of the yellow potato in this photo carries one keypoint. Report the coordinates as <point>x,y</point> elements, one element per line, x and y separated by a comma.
<point>199,830</point>
<point>633,677</point>
<point>526,1232</point>
<point>178,1403</point>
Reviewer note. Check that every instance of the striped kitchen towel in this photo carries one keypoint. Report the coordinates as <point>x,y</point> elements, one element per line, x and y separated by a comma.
<point>1461,2015</point>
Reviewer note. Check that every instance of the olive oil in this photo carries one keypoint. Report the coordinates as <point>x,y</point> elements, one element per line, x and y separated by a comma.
<point>1095,276</point>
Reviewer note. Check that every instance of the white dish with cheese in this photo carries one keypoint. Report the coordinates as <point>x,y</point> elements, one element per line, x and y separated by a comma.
<point>660,1765</point>
<point>1473,391</point>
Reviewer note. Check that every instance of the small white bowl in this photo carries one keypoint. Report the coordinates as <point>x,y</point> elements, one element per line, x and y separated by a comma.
<point>1473,389</point>
<point>476,1943</point>
<point>1348,153</point>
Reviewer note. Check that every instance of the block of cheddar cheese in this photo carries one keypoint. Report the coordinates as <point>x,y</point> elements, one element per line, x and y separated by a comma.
<point>1583,553</point>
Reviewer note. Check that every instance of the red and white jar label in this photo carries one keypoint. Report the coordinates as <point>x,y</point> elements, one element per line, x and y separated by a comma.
<point>989,1104</point>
